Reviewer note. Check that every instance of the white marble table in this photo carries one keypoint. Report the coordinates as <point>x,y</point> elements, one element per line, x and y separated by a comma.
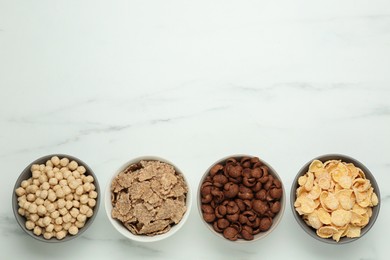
<point>194,81</point>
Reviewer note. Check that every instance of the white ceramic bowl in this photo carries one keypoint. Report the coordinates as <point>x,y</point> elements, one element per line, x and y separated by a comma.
<point>121,228</point>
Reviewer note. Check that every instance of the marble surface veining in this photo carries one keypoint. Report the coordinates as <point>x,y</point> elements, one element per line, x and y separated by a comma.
<point>194,81</point>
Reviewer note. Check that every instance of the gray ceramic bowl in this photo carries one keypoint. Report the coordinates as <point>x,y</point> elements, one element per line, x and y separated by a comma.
<point>311,231</point>
<point>275,221</point>
<point>26,173</point>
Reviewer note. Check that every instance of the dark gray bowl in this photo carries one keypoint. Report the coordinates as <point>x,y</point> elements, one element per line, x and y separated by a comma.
<point>311,231</point>
<point>26,173</point>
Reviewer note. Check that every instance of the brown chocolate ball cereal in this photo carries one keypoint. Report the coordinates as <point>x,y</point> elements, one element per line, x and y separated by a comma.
<point>149,197</point>
<point>239,197</point>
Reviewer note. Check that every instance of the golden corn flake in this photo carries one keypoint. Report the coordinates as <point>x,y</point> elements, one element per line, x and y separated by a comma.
<point>326,231</point>
<point>335,198</point>
<point>149,197</point>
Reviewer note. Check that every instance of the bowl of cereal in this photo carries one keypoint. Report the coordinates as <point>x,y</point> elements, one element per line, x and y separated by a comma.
<point>56,198</point>
<point>241,198</point>
<point>335,199</point>
<point>148,199</point>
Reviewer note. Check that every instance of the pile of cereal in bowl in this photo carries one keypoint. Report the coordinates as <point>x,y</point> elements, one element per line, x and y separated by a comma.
<point>335,198</point>
<point>56,199</point>
<point>149,197</point>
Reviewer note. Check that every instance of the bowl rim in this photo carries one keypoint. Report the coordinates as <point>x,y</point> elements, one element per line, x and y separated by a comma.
<point>344,158</point>
<point>15,207</point>
<point>259,236</point>
<point>119,226</point>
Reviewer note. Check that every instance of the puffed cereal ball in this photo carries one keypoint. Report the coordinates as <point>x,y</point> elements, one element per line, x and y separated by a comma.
<point>73,165</point>
<point>55,160</point>
<point>73,230</point>
<point>48,235</point>
<point>64,162</point>
<point>37,230</point>
<point>30,225</point>
<point>60,234</point>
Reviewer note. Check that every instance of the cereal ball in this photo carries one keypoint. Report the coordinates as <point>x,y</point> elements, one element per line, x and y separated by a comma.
<point>92,194</point>
<point>46,203</point>
<point>34,167</point>
<point>81,218</point>
<point>42,179</point>
<point>49,163</point>
<point>58,221</point>
<point>58,175</point>
<point>89,178</point>
<point>73,165</point>
<point>69,196</point>
<point>87,187</point>
<point>84,199</point>
<point>32,189</point>
<point>61,234</point>
<point>50,208</point>
<point>64,162</point>
<point>43,194</point>
<point>76,174</point>
<point>67,218</point>
<point>30,197</point>
<point>84,209</point>
<point>70,179</point>
<point>81,169</point>
<point>76,196</point>
<point>21,211</point>
<point>41,210</point>
<point>66,226</point>
<point>63,183</point>
<point>76,203</point>
<point>37,230</point>
<point>40,222</point>
<point>55,160</point>
<point>73,220</point>
<point>46,221</point>
<point>30,225</point>
<point>45,186</point>
<point>49,228</point>
<point>56,187</point>
<point>79,224</point>
<point>66,190</point>
<point>50,174</point>
<point>53,181</point>
<point>73,230</point>
<point>34,217</point>
<point>26,205</point>
<point>20,191</point>
<point>55,214</point>
<point>91,203</point>
<point>66,174</point>
<point>60,193</point>
<point>36,174</point>
<point>74,212</point>
<point>32,208</point>
<point>73,184</point>
<point>80,190</point>
<point>48,235</point>
<point>61,203</point>
<point>24,184</point>
<point>89,213</point>
<point>48,168</point>
<point>57,228</point>
<point>56,170</point>
<point>39,201</point>
<point>51,196</point>
<point>63,211</point>
<point>68,204</point>
<point>35,182</point>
